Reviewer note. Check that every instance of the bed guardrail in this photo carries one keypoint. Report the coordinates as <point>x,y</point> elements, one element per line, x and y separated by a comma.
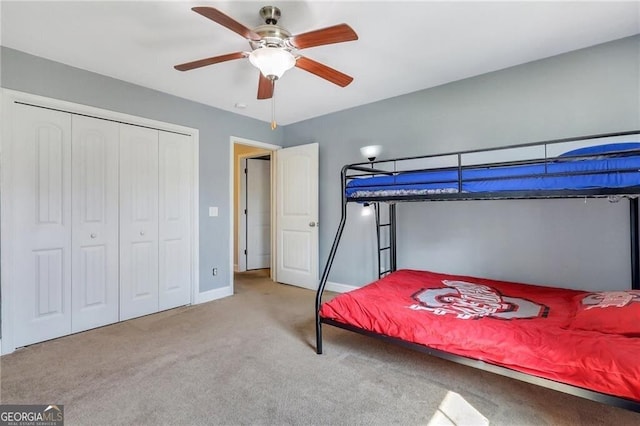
<point>468,167</point>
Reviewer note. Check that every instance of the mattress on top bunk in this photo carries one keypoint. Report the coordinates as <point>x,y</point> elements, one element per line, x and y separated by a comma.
<point>590,340</point>
<point>561,173</point>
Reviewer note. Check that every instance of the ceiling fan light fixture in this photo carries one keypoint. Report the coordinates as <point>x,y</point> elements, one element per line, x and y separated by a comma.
<point>272,61</point>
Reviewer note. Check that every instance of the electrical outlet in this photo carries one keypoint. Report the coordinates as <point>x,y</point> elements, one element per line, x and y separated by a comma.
<point>214,271</point>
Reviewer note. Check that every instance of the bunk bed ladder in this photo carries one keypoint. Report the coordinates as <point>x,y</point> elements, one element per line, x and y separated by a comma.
<point>386,239</point>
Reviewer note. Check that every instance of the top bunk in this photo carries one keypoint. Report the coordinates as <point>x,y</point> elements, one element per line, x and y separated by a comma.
<point>604,165</point>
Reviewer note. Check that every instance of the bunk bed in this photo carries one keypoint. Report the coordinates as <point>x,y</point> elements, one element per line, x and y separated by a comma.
<point>508,328</point>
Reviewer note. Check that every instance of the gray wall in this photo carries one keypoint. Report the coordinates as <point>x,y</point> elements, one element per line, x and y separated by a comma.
<point>39,76</point>
<point>564,242</point>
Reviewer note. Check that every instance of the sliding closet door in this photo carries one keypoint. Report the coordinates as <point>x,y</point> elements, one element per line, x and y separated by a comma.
<point>40,231</point>
<point>138,221</point>
<point>176,192</point>
<point>95,222</point>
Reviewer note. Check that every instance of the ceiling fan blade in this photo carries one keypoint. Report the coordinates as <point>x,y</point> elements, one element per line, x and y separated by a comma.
<point>336,34</point>
<point>216,16</point>
<point>323,71</point>
<point>265,87</point>
<point>210,61</point>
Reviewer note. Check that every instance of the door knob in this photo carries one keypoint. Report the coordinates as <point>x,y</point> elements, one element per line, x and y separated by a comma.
<point>141,233</point>
<point>312,224</point>
<point>93,235</point>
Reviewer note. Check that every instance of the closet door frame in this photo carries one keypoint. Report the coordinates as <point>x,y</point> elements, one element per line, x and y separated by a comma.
<point>7,99</point>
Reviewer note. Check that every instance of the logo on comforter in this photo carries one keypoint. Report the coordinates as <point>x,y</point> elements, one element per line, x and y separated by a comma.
<point>473,301</point>
<point>608,299</point>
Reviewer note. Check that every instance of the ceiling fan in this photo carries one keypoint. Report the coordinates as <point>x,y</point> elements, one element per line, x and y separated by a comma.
<point>274,50</point>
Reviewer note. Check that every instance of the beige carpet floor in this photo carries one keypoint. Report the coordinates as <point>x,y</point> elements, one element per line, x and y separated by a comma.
<point>250,359</point>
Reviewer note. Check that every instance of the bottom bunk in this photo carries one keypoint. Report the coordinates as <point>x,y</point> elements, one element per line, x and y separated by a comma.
<point>583,343</point>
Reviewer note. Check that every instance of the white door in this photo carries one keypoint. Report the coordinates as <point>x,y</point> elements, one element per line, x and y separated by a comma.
<point>175,212</point>
<point>94,252</point>
<point>297,215</point>
<point>138,221</point>
<point>258,191</point>
<point>41,223</point>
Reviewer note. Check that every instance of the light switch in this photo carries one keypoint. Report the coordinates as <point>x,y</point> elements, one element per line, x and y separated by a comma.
<point>213,211</point>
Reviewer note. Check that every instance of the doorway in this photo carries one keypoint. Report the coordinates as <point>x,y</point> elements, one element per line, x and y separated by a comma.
<point>257,159</point>
<point>293,206</point>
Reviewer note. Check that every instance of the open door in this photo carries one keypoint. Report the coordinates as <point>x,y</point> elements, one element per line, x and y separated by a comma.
<point>297,216</point>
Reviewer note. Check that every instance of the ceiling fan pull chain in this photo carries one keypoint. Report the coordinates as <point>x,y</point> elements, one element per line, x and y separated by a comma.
<point>273,108</point>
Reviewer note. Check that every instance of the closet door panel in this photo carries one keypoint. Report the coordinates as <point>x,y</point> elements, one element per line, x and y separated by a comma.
<point>95,145</point>
<point>176,192</point>
<point>41,227</point>
<point>138,221</point>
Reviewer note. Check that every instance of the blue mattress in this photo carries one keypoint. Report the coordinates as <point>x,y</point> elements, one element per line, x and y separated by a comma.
<point>558,174</point>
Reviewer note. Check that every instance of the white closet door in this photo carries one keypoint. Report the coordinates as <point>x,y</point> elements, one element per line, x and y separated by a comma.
<point>41,227</point>
<point>138,221</point>
<point>176,192</point>
<point>95,222</point>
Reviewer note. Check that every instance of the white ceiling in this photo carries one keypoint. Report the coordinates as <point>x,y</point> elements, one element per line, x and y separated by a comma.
<point>402,47</point>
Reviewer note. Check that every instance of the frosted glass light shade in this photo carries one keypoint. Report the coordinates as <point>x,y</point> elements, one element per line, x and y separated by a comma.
<point>366,210</point>
<point>272,61</point>
<point>371,152</point>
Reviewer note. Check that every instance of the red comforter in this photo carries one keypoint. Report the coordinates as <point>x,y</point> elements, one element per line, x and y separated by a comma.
<point>544,331</point>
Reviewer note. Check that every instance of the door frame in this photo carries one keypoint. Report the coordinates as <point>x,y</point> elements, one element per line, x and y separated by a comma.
<point>7,98</point>
<point>234,214</point>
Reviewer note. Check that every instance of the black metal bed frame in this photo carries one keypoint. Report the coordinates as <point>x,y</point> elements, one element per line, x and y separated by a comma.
<point>368,168</point>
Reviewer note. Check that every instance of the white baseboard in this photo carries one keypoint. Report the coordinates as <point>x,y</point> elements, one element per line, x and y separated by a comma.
<point>331,286</point>
<point>216,293</point>
<point>339,288</point>
<point>219,293</point>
